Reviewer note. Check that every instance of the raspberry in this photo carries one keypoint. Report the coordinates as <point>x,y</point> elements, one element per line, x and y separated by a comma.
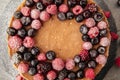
<point>105,41</point>
<point>102,25</point>
<point>38,77</point>
<point>41,57</point>
<point>18,77</point>
<point>114,35</point>
<point>51,9</point>
<point>117,61</point>
<point>23,67</point>
<point>51,75</point>
<point>16,24</point>
<point>36,1</point>
<point>90,74</point>
<point>77,10</point>
<point>63,8</point>
<point>36,24</point>
<point>66,79</point>
<point>25,11</point>
<point>101,59</point>
<point>87,45</point>
<point>84,55</point>
<point>44,16</point>
<point>107,13</point>
<point>70,64</point>
<point>35,13</point>
<point>90,22</point>
<point>93,32</point>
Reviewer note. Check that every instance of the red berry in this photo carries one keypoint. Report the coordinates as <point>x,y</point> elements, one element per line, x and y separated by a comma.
<point>90,74</point>
<point>51,75</point>
<point>41,57</point>
<point>51,9</point>
<point>63,8</point>
<point>44,16</point>
<point>23,67</point>
<point>117,61</point>
<point>38,77</point>
<point>70,64</point>
<point>107,13</point>
<point>114,35</point>
<point>25,11</point>
<point>18,77</point>
<point>84,55</point>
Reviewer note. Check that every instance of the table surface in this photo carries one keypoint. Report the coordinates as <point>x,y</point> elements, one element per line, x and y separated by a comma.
<point>114,72</point>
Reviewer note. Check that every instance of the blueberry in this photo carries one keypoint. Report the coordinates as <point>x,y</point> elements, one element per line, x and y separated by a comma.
<point>82,65</point>
<point>58,2</point>
<point>92,64</point>
<point>93,53</point>
<point>83,3</point>
<point>32,71</point>
<point>85,38</point>
<point>62,74</point>
<point>11,31</point>
<point>95,40</point>
<point>79,18</point>
<point>31,32</point>
<point>61,16</point>
<point>17,57</point>
<point>83,29</point>
<point>18,15</point>
<point>22,33</point>
<point>40,6</point>
<point>29,3</point>
<point>50,55</point>
<point>70,15</point>
<point>34,62</point>
<point>22,49</point>
<point>26,21</point>
<point>35,51</point>
<point>86,14</point>
<point>101,49</point>
<point>77,59</point>
<point>98,16</point>
<point>71,3</point>
<point>118,2</point>
<point>72,76</point>
<point>103,32</point>
<point>27,56</point>
<point>80,74</point>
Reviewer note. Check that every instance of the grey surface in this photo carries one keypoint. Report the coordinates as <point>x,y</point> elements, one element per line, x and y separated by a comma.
<point>7,71</point>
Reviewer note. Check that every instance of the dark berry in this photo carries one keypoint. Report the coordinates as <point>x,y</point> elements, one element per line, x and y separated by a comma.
<point>61,16</point>
<point>25,21</point>
<point>93,53</point>
<point>22,33</point>
<point>31,32</point>
<point>40,6</point>
<point>11,31</point>
<point>47,2</point>
<point>86,14</point>
<point>17,57</point>
<point>95,40</point>
<point>85,38</point>
<point>71,3</point>
<point>80,74</point>
<point>62,74</point>
<point>58,2</point>
<point>92,7</point>
<point>92,64</point>
<point>83,3</point>
<point>18,15</point>
<point>101,49</point>
<point>34,62</point>
<point>27,56</point>
<point>98,16</point>
<point>72,76</point>
<point>103,32</point>
<point>118,2</point>
<point>82,65</point>
<point>29,3</point>
<point>77,59</point>
<point>83,29</point>
<point>70,15</point>
<point>79,18</point>
<point>32,71</point>
<point>22,49</point>
<point>50,55</point>
<point>35,51</point>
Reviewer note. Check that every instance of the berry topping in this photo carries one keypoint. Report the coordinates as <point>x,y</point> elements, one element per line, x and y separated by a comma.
<point>62,74</point>
<point>87,45</point>
<point>63,8</point>
<point>92,7</point>
<point>101,59</point>
<point>28,42</point>
<point>16,58</point>
<point>27,56</point>
<point>77,59</point>
<point>92,64</point>
<point>79,18</point>
<point>77,10</point>
<point>23,67</point>
<point>11,31</point>
<point>117,61</point>
<point>32,71</point>
<point>61,16</point>
<point>98,16</point>
<point>29,3</point>
<point>38,77</point>
<point>18,15</point>
<point>34,62</point>
<point>95,40</point>
<point>44,16</point>
<point>52,9</point>
<point>83,3</point>
<point>25,11</point>
<point>69,15</point>
<point>85,38</point>
<point>70,64</point>
<point>66,79</point>
<point>14,42</point>
<point>51,75</point>
<point>86,14</point>
<point>22,32</point>
<point>89,73</point>
<point>41,57</point>
<point>40,6</point>
<point>36,1</point>
<point>72,76</point>
<point>36,24</point>
<point>50,55</point>
<point>82,65</point>
<point>107,14</point>
<point>105,41</point>
<point>80,74</point>
<point>83,29</point>
<point>58,64</point>
<point>71,3</point>
<point>58,2</point>
<point>18,77</point>
<point>84,55</point>
<point>90,22</point>
<point>16,24</point>
<point>25,21</point>
<point>31,32</point>
<point>35,51</point>
<point>101,49</point>
<point>22,49</point>
<point>103,32</point>
<point>93,32</point>
<point>47,2</point>
<point>93,53</point>
<point>102,25</point>
<point>35,13</point>
<point>114,35</point>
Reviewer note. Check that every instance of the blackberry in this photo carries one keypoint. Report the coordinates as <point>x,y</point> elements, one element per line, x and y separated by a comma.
<point>62,74</point>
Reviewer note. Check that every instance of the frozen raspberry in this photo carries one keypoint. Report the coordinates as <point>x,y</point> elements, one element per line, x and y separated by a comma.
<point>117,61</point>
<point>101,59</point>
<point>84,55</point>
<point>105,41</point>
<point>16,24</point>
<point>36,24</point>
<point>51,9</point>
<point>15,42</point>
<point>25,11</point>
<point>18,77</point>
<point>28,42</point>
<point>58,64</point>
<point>93,32</point>
<point>87,45</point>
<point>90,22</point>
<point>70,64</point>
<point>36,1</point>
<point>41,57</point>
<point>114,36</point>
<point>38,77</point>
<point>89,73</point>
<point>23,67</point>
<point>63,8</point>
<point>51,75</point>
<point>35,13</point>
<point>77,10</point>
<point>66,79</point>
<point>44,16</point>
<point>102,25</point>
<point>107,13</point>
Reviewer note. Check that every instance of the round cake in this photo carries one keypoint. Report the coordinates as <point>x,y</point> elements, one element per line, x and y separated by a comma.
<point>59,39</point>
